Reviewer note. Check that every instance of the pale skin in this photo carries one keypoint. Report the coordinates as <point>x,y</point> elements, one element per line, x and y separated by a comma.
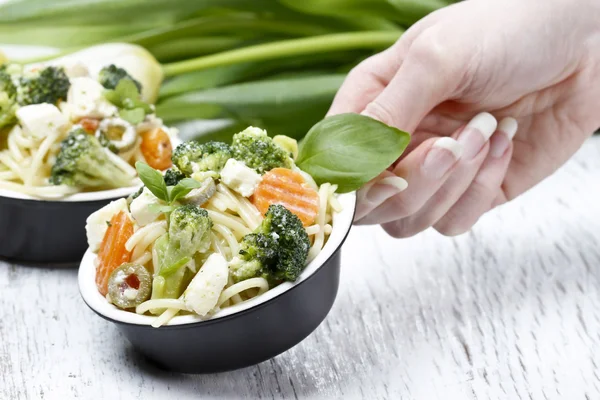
<point>534,65</point>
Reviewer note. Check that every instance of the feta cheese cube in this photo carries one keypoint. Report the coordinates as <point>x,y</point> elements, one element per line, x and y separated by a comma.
<point>140,208</point>
<point>239,177</point>
<point>85,99</point>
<point>97,223</point>
<point>203,292</point>
<point>41,120</point>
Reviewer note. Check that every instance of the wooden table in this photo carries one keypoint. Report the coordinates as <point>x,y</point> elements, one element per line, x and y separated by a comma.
<point>508,311</point>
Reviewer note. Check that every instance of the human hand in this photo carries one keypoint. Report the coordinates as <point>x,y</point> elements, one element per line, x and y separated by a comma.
<point>536,61</point>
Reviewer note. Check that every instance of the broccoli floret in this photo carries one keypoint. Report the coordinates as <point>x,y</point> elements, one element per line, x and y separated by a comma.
<point>192,157</point>
<point>258,151</point>
<point>189,230</point>
<point>189,234</point>
<point>111,76</point>
<point>82,162</point>
<point>173,176</point>
<point>49,85</point>
<point>277,250</point>
<point>8,98</point>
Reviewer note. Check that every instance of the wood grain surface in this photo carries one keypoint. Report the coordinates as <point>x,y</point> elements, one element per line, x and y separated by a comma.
<point>510,310</point>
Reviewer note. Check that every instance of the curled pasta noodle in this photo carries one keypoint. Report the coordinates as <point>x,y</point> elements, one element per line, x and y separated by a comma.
<point>160,303</point>
<point>38,158</point>
<point>234,299</point>
<point>313,230</point>
<point>13,147</point>
<point>229,238</point>
<point>228,221</point>
<point>242,206</point>
<point>260,283</point>
<point>8,175</point>
<point>143,259</point>
<point>143,232</point>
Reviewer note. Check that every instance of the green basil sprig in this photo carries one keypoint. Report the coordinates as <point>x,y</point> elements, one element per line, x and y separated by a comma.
<point>155,182</point>
<point>349,150</point>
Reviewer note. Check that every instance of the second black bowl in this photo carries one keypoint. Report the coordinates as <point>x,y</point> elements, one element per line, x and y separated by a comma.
<point>49,231</point>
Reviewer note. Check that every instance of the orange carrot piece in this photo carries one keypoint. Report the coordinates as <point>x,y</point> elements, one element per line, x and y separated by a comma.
<point>157,149</point>
<point>112,252</point>
<point>289,189</point>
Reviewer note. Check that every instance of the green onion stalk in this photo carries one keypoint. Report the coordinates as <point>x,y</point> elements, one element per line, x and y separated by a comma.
<point>276,64</point>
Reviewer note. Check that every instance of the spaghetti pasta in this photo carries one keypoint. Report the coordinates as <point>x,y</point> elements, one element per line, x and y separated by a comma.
<point>31,147</point>
<point>220,251</point>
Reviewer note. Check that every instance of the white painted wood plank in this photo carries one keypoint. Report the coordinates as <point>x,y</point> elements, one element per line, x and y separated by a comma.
<point>508,311</point>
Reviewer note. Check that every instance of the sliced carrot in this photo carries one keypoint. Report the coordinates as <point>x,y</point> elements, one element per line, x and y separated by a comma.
<point>90,125</point>
<point>157,149</point>
<point>112,252</point>
<point>288,188</point>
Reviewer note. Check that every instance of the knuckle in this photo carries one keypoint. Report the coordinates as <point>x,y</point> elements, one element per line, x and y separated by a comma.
<point>381,112</point>
<point>430,49</point>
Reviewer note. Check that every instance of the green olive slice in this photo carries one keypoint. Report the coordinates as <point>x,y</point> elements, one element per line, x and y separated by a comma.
<point>129,286</point>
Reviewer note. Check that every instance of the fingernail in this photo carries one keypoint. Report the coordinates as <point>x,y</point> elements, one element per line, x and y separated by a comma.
<point>476,134</point>
<point>441,157</point>
<point>386,188</point>
<point>501,141</point>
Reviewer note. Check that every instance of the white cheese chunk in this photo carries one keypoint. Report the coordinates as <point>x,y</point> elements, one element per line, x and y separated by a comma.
<point>41,120</point>
<point>140,208</point>
<point>202,294</point>
<point>85,99</point>
<point>97,223</point>
<point>239,177</point>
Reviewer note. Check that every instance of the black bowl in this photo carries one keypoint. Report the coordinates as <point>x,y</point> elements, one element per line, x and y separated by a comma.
<point>241,335</point>
<point>49,231</point>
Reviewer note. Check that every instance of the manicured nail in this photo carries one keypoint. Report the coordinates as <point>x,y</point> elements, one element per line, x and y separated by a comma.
<point>385,189</point>
<point>501,140</point>
<point>441,157</point>
<point>476,134</point>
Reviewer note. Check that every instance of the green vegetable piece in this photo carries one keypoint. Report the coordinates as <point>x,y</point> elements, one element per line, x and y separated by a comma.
<point>49,85</point>
<point>83,162</point>
<point>258,151</point>
<point>126,97</point>
<point>190,157</point>
<point>129,286</point>
<point>111,75</point>
<point>277,250</point>
<point>188,235</point>
<point>349,150</point>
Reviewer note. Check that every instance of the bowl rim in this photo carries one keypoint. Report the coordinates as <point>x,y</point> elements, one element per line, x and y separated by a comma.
<point>83,197</point>
<point>342,222</point>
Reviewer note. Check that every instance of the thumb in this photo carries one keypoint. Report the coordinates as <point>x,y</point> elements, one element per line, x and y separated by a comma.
<point>427,77</point>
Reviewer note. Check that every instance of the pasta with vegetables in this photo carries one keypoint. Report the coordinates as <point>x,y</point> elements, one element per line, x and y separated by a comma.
<point>225,224</point>
<point>64,131</point>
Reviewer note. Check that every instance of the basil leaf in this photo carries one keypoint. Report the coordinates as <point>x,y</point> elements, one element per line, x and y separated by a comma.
<point>153,180</point>
<point>349,150</point>
<point>184,186</point>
